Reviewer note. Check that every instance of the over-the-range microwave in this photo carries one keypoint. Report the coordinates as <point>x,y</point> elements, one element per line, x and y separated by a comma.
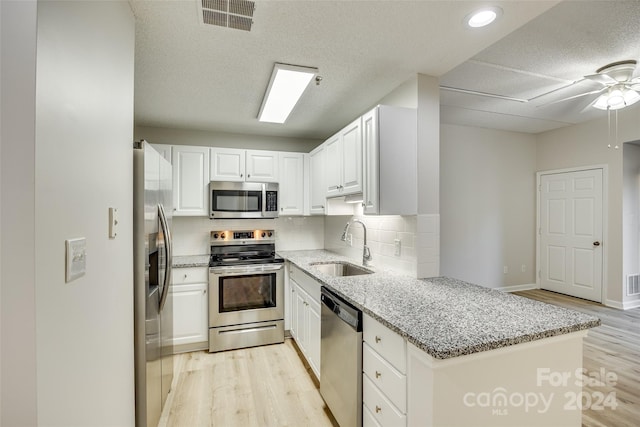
<point>243,199</point>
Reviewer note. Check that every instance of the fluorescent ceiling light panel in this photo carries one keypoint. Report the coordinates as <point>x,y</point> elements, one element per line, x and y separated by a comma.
<point>287,84</point>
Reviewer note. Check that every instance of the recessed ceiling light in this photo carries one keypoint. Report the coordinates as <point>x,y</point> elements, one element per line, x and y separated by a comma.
<point>483,17</point>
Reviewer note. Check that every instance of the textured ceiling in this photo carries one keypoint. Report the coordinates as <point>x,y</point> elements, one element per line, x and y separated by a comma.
<point>191,75</point>
<point>571,40</point>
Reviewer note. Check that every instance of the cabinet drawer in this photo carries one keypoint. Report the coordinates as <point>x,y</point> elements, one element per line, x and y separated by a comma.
<point>368,420</point>
<point>391,382</point>
<point>381,408</point>
<point>391,346</point>
<point>306,282</point>
<point>183,276</point>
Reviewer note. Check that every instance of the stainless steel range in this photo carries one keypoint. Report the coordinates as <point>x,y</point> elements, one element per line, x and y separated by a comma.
<point>246,290</point>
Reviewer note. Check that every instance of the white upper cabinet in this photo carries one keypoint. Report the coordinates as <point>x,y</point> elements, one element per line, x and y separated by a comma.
<point>352,158</point>
<point>231,164</point>
<point>343,161</point>
<point>389,137</point>
<point>291,190</point>
<point>190,180</point>
<point>317,189</point>
<point>227,164</point>
<point>262,166</point>
<point>332,166</point>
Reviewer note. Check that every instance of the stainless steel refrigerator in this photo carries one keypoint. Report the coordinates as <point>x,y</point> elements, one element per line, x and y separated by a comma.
<point>153,307</point>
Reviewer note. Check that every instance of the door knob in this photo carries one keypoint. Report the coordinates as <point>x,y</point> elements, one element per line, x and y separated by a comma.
<point>596,243</point>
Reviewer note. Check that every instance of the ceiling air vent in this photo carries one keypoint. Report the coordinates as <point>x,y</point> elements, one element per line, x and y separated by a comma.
<point>228,13</point>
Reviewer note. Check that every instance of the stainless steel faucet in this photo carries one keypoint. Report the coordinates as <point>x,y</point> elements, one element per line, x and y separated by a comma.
<point>366,253</point>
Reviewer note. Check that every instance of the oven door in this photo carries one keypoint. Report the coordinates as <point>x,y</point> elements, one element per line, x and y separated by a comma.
<point>245,294</point>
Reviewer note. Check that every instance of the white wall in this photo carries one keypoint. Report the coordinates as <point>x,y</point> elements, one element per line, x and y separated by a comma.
<point>487,205</point>
<point>191,235</point>
<point>631,216</point>
<point>17,193</point>
<point>84,134</point>
<point>585,145</point>
<point>159,135</point>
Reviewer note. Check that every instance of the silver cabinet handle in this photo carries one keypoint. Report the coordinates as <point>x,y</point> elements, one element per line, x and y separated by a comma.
<point>248,175</point>
<point>378,374</point>
<point>378,409</point>
<point>378,339</point>
<point>241,175</point>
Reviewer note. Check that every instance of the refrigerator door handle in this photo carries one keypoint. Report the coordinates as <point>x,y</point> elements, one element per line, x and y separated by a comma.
<point>169,254</point>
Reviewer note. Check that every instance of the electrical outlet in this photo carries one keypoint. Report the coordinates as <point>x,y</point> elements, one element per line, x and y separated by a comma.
<point>396,243</point>
<point>350,239</point>
<point>523,268</point>
<point>506,269</point>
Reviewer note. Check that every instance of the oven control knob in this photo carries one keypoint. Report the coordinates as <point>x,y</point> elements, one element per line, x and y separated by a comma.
<point>270,234</point>
<point>215,236</point>
<point>222,236</point>
<point>263,234</point>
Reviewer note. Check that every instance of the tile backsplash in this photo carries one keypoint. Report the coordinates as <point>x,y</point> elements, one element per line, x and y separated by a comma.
<point>382,233</point>
<point>419,238</point>
<point>191,234</point>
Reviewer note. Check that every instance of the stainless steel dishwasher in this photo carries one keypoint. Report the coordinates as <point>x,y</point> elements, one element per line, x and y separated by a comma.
<point>341,359</point>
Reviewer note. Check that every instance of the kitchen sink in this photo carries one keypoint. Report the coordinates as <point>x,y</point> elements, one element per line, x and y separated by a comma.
<point>340,269</point>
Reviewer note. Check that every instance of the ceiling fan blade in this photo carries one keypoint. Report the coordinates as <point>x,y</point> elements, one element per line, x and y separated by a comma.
<point>593,92</point>
<point>601,78</point>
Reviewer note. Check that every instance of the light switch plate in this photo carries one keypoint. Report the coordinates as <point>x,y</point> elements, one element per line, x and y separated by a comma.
<point>76,258</point>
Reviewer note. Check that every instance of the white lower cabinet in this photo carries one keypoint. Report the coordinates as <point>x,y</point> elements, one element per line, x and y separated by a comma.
<point>190,309</point>
<point>384,381</point>
<point>305,316</point>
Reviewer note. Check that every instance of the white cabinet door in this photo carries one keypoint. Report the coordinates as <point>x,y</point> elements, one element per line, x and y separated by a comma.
<point>291,190</point>
<point>318,197</point>
<point>333,166</point>
<point>164,150</point>
<point>262,166</point>
<point>190,180</point>
<point>293,309</point>
<point>351,158</point>
<point>190,317</point>
<point>371,166</point>
<point>313,341</point>
<point>301,314</point>
<point>227,164</point>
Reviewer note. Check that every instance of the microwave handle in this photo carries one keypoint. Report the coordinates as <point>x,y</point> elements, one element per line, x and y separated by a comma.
<point>264,200</point>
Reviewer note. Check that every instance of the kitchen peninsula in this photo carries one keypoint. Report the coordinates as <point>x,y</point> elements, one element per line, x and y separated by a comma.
<point>465,354</point>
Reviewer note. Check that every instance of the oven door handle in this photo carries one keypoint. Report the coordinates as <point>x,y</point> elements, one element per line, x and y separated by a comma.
<point>242,269</point>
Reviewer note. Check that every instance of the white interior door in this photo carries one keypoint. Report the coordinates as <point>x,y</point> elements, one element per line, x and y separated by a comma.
<point>571,258</point>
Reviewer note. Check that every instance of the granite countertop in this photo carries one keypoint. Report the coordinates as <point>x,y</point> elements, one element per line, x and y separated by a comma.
<point>191,261</point>
<point>445,317</point>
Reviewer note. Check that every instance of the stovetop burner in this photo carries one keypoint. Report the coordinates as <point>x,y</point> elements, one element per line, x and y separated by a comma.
<point>243,247</point>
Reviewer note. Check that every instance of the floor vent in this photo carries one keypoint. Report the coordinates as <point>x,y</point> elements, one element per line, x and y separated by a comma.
<point>235,14</point>
<point>633,284</point>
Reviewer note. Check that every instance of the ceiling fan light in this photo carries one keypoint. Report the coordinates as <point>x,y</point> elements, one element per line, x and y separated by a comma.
<point>602,102</point>
<point>631,97</point>
<point>615,99</point>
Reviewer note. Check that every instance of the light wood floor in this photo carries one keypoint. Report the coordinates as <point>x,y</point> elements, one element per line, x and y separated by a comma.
<point>260,386</point>
<point>270,386</point>
<point>615,347</point>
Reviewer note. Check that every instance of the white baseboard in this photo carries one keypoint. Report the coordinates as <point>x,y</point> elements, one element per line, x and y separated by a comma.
<point>624,305</point>
<point>516,288</point>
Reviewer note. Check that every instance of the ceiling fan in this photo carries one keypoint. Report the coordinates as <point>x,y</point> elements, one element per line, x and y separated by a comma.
<point>620,86</point>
